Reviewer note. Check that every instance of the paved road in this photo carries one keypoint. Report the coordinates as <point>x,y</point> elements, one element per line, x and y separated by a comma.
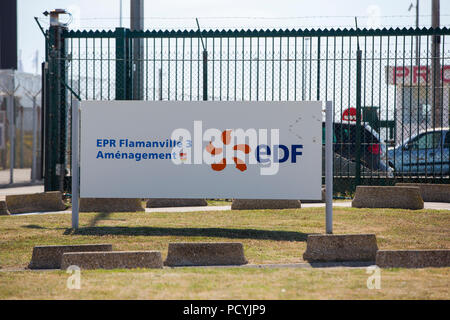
<point>428,205</point>
<point>20,176</point>
<point>21,190</point>
<point>348,204</point>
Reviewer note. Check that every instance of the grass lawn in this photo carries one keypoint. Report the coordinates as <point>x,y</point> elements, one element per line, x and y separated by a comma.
<point>269,236</point>
<point>228,283</point>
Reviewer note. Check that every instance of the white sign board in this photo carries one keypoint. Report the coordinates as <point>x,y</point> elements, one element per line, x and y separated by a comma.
<point>201,149</point>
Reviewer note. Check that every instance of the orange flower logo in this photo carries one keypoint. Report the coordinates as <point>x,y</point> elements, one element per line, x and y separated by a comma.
<point>226,140</point>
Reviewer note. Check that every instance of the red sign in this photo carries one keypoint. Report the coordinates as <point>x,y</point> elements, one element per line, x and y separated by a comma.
<point>349,114</point>
<point>416,75</point>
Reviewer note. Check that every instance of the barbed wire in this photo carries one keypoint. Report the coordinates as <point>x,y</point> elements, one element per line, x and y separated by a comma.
<point>225,26</point>
<point>262,17</point>
<point>263,27</point>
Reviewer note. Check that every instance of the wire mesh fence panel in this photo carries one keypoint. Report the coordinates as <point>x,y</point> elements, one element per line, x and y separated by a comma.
<point>20,133</point>
<point>390,88</point>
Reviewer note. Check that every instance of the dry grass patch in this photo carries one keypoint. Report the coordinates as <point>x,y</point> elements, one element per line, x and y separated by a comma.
<point>228,283</point>
<point>269,236</point>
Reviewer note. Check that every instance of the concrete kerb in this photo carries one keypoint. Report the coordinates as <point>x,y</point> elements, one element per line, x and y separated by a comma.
<point>166,203</point>
<point>111,205</point>
<point>205,254</point>
<point>413,258</point>
<point>388,197</point>
<point>113,260</point>
<point>343,247</point>
<point>49,257</point>
<point>430,192</point>
<point>36,202</point>
<point>259,204</point>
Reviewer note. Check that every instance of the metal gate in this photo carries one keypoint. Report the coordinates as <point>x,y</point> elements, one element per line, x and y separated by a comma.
<point>390,87</point>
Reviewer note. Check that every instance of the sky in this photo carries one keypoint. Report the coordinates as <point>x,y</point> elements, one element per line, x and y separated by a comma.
<point>219,14</point>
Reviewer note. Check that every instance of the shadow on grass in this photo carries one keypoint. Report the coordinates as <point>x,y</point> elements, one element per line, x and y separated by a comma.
<point>191,232</point>
<point>35,226</point>
<point>98,217</point>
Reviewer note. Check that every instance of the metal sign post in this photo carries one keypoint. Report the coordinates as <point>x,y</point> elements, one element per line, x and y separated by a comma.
<point>75,162</point>
<point>329,166</point>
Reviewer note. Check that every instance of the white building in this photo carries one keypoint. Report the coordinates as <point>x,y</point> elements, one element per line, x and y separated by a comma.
<point>414,98</point>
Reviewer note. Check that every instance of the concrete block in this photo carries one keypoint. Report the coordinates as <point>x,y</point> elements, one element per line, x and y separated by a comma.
<point>113,260</point>
<point>342,247</point>
<point>205,254</point>
<point>36,202</point>
<point>49,257</point>
<point>165,203</point>
<point>387,197</point>
<point>111,205</point>
<point>4,208</point>
<point>413,258</point>
<point>257,204</point>
<point>431,192</point>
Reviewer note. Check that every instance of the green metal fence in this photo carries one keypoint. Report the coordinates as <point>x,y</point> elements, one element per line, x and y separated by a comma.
<point>391,100</point>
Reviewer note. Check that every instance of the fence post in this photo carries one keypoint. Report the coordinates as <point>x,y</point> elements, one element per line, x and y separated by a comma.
<point>12,135</point>
<point>436,81</point>
<point>137,45</point>
<point>121,64</point>
<point>49,117</point>
<point>43,124</point>
<point>21,136</point>
<point>55,113</point>
<point>62,112</point>
<point>318,68</point>
<point>34,143</point>
<point>358,119</point>
<point>205,75</point>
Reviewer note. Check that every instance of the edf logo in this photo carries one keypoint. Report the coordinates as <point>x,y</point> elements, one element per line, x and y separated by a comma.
<point>234,147</point>
<point>264,150</point>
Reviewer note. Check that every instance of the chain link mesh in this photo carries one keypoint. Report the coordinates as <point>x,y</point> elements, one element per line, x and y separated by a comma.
<point>401,106</point>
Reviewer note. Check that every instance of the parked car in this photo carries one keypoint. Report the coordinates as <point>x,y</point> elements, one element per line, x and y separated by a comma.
<point>372,150</point>
<point>425,153</point>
